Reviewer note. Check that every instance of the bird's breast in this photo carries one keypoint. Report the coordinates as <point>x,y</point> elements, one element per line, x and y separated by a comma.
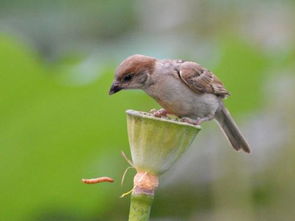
<point>174,96</point>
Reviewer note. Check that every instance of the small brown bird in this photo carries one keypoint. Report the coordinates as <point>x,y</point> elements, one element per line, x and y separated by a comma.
<point>182,88</point>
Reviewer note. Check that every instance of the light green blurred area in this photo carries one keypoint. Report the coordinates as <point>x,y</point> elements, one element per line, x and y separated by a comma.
<point>53,135</point>
<point>58,124</point>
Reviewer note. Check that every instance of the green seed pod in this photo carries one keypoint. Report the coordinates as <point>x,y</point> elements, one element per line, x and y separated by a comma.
<point>156,143</point>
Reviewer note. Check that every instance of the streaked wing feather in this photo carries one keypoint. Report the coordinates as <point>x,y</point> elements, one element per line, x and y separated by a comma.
<point>201,80</point>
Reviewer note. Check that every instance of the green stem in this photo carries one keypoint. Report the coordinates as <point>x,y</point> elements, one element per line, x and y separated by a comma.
<point>140,207</point>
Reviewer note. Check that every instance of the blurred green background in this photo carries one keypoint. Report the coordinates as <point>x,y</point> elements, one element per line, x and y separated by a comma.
<point>58,124</point>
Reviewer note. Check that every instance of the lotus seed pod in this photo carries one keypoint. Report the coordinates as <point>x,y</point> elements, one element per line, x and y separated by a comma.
<point>156,143</point>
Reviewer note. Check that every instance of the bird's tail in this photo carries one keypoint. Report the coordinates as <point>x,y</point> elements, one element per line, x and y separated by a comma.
<point>231,130</point>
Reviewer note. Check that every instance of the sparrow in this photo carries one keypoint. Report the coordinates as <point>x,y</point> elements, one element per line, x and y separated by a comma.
<point>183,88</point>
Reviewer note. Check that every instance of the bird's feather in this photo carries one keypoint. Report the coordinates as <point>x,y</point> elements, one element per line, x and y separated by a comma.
<point>200,80</point>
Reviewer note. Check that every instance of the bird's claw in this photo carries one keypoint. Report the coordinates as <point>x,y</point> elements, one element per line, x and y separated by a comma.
<point>190,121</point>
<point>197,121</point>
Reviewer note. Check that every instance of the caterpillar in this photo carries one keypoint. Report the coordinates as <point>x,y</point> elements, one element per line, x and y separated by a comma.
<point>98,180</point>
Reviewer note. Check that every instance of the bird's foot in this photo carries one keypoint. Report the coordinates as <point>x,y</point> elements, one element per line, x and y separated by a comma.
<point>197,121</point>
<point>189,121</point>
<point>159,113</point>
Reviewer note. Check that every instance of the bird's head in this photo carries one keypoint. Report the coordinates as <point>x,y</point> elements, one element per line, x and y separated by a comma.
<point>133,73</point>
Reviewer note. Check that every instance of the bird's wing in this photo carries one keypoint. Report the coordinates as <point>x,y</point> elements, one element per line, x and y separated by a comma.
<point>200,80</point>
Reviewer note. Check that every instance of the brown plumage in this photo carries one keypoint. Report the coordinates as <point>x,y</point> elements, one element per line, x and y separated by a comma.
<point>201,80</point>
<point>134,65</point>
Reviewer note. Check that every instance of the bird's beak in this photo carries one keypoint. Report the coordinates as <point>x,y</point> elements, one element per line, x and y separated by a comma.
<point>115,88</point>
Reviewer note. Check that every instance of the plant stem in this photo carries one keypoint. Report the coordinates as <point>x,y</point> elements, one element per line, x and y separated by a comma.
<point>145,184</point>
<point>140,207</point>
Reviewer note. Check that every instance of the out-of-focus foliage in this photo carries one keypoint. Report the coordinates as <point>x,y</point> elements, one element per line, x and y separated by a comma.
<point>58,124</point>
<point>53,135</point>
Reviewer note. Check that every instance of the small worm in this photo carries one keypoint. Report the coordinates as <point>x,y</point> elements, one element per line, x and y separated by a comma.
<point>98,180</point>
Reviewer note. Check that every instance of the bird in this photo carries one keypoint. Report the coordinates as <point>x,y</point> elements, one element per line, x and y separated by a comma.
<point>182,88</point>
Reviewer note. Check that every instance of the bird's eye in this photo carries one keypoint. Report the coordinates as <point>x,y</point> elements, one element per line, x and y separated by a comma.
<point>128,77</point>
